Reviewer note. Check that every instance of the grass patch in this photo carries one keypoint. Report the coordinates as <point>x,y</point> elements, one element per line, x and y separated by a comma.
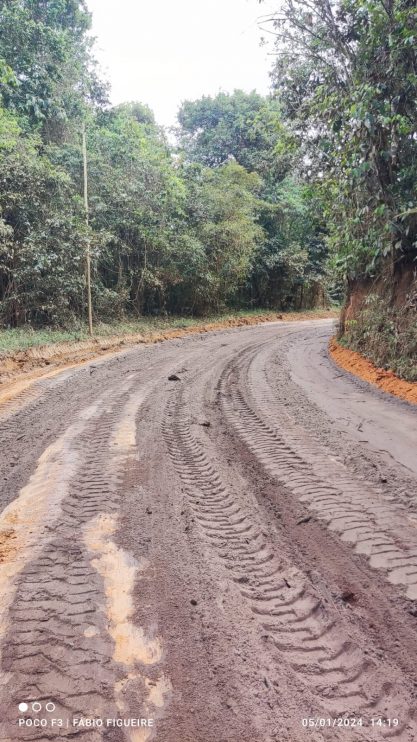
<point>26,337</point>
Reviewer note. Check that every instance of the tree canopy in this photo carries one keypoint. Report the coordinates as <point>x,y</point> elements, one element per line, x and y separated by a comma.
<point>346,75</point>
<point>221,219</point>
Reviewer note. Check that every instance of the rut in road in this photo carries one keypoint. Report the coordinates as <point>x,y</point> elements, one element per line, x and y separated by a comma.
<point>303,635</point>
<point>59,647</point>
<point>359,512</point>
<point>243,609</point>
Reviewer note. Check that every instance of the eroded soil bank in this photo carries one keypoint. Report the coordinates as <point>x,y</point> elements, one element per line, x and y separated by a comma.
<point>387,381</point>
<point>379,321</point>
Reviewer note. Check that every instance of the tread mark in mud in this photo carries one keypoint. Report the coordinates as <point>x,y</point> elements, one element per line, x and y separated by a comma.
<point>300,629</point>
<point>59,635</point>
<point>361,514</point>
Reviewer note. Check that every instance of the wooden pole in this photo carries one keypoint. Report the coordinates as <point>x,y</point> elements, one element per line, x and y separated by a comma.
<point>87,252</point>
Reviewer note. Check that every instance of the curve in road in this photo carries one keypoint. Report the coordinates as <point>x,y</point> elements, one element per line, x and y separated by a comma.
<point>216,536</point>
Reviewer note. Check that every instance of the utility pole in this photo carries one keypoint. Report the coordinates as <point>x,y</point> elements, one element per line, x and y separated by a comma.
<point>87,252</point>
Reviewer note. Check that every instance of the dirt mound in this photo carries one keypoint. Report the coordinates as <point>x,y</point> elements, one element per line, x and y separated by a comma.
<point>356,364</point>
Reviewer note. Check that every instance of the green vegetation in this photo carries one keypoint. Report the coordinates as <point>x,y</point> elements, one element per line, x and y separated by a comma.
<point>222,220</point>
<point>287,266</point>
<point>386,335</point>
<point>346,78</point>
<point>273,202</point>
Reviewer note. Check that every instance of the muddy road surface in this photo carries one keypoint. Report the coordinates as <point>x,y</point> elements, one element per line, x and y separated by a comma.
<point>212,539</point>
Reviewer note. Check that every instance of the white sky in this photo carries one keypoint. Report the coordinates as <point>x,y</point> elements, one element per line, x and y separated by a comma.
<point>162,52</point>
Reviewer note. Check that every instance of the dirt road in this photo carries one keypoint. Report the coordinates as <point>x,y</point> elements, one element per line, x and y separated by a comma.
<point>209,540</point>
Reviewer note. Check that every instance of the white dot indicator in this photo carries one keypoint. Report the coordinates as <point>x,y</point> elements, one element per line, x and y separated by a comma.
<point>23,707</point>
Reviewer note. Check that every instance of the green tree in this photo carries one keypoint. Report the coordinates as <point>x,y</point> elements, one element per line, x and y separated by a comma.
<point>346,75</point>
<point>250,129</point>
<point>244,126</point>
<point>221,220</point>
<point>136,206</point>
<point>289,267</point>
<point>42,238</point>
<point>47,47</point>
<point>222,233</point>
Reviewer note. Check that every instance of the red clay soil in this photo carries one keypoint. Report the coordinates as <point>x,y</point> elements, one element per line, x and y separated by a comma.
<point>356,364</point>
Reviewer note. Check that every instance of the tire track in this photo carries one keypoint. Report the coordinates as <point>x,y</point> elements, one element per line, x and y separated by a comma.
<point>59,647</point>
<point>236,599</point>
<point>358,512</point>
<point>309,638</point>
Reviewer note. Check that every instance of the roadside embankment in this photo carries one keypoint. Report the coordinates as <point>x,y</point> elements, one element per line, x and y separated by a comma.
<point>379,319</point>
<point>387,381</point>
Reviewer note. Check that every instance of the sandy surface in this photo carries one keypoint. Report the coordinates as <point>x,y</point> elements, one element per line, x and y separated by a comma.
<point>226,552</point>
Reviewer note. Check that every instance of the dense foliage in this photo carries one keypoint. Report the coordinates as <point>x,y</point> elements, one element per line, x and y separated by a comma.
<point>346,78</point>
<point>346,75</point>
<point>245,209</point>
<point>288,265</point>
<point>222,219</point>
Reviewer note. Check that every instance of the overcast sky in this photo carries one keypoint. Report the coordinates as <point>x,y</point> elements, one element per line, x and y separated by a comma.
<point>162,52</point>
